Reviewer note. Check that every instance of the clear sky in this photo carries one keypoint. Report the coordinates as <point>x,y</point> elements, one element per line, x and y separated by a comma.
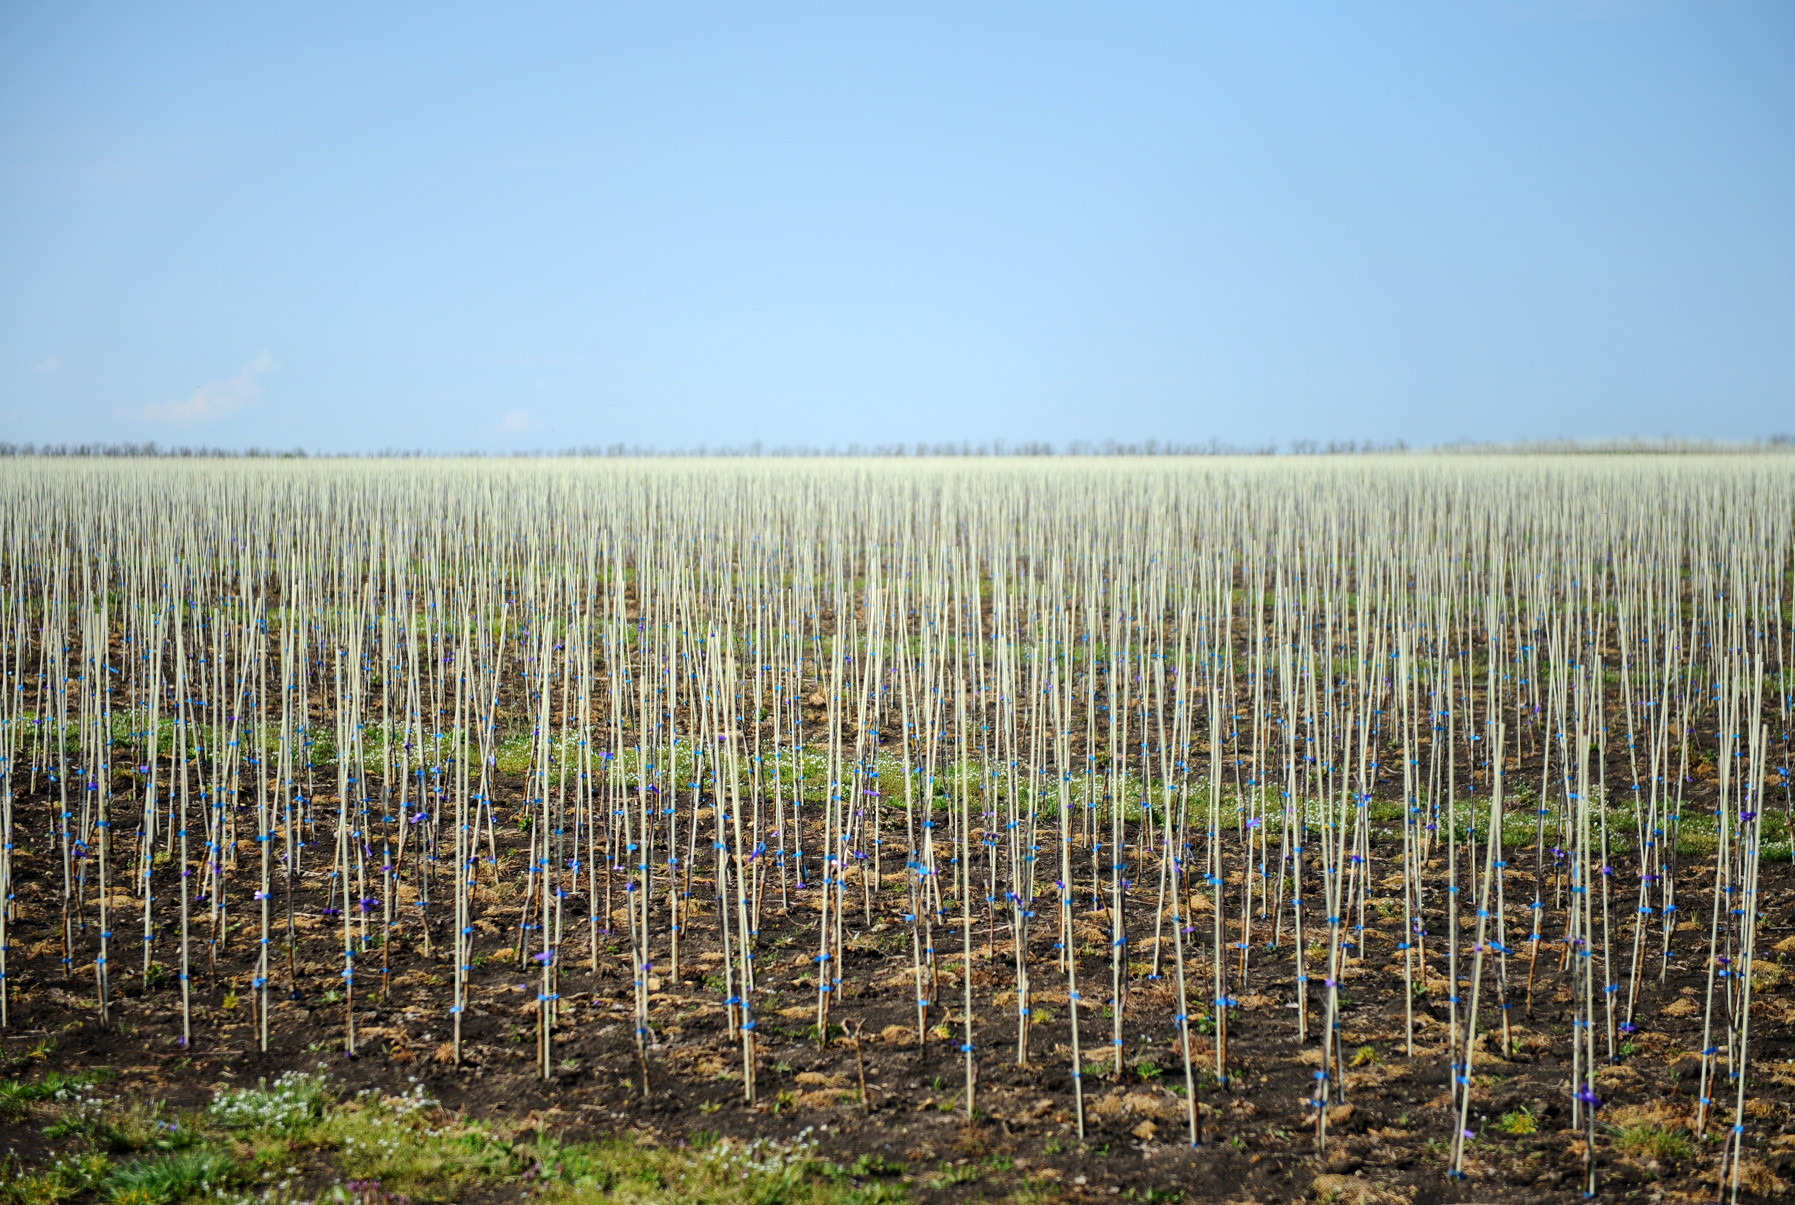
<point>513,226</point>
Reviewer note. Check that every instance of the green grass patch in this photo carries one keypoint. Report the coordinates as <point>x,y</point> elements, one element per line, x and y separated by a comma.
<point>17,1096</point>
<point>1648,1141</point>
<point>170,1178</point>
<point>243,1147</point>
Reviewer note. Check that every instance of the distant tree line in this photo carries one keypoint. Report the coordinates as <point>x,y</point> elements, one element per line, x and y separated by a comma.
<point>966,448</point>
<point>925,449</point>
<point>152,449</point>
<point>1667,444</point>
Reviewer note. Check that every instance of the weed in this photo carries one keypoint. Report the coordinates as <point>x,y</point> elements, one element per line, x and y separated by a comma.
<point>951,1174</point>
<point>62,1179</point>
<point>172,1177</point>
<point>870,1164</point>
<point>406,1144</point>
<point>295,1104</point>
<point>1648,1141</point>
<point>17,1096</point>
<point>1519,1121</point>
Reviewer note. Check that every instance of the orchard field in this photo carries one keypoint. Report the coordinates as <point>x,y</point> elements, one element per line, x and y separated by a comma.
<point>1367,829</point>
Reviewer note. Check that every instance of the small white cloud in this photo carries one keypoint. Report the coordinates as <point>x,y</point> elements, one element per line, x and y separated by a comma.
<point>47,364</point>
<point>517,420</point>
<point>216,399</point>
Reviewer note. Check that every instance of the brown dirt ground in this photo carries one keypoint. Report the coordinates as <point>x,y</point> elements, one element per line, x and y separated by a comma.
<point>1258,1140</point>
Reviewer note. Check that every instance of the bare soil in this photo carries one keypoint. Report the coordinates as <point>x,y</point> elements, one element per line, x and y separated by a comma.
<point>1258,1135</point>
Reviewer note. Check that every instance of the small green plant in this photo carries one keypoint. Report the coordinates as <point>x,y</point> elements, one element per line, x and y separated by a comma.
<point>1148,1070</point>
<point>173,1177</point>
<point>90,1124</point>
<point>951,1174</point>
<point>871,1164</point>
<point>1648,1141</point>
<point>1517,1122</point>
<point>17,1096</point>
<point>15,1100</point>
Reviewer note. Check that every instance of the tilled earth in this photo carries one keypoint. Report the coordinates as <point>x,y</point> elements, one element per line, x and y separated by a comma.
<point>1390,1142</point>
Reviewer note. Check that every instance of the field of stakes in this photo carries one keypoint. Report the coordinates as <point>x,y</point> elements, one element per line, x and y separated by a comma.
<point>1366,829</point>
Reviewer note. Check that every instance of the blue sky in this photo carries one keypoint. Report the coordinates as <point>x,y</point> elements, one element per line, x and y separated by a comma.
<point>519,226</point>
